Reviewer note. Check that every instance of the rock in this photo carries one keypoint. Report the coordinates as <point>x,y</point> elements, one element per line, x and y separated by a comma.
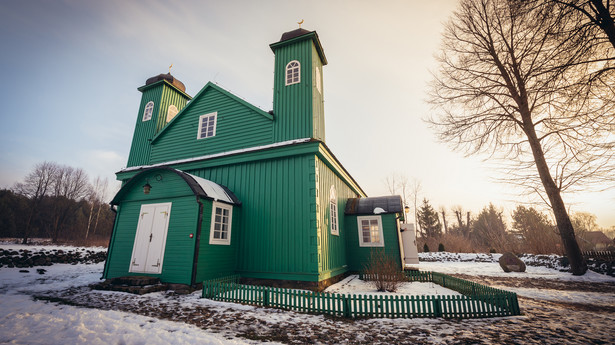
<point>511,263</point>
<point>24,271</point>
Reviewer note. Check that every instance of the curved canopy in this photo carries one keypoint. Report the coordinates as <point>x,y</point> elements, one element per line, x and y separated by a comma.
<point>200,187</point>
<point>375,205</point>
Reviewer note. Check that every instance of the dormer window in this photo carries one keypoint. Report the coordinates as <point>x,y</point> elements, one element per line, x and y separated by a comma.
<point>207,125</point>
<point>293,72</point>
<point>171,112</point>
<point>149,109</point>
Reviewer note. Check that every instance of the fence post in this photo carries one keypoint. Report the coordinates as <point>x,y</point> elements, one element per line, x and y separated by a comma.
<point>436,307</point>
<point>265,296</point>
<point>346,306</point>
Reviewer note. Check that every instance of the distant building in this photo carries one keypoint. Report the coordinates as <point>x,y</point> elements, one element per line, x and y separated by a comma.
<point>596,240</point>
<point>216,186</point>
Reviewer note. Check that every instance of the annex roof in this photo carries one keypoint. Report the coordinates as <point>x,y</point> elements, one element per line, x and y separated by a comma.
<point>386,204</point>
<point>200,187</point>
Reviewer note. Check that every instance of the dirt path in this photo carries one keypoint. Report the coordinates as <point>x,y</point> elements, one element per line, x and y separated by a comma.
<point>542,322</point>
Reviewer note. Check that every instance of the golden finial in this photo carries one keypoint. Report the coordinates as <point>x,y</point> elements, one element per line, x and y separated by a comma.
<point>170,68</point>
<point>301,22</point>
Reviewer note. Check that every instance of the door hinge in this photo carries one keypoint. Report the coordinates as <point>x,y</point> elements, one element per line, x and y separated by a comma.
<point>166,214</point>
<point>134,262</point>
<point>143,214</point>
<point>157,264</point>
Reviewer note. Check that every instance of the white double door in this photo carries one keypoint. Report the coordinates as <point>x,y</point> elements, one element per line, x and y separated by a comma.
<point>151,238</point>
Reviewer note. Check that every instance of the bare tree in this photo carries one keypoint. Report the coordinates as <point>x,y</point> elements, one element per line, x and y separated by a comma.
<point>399,184</point>
<point>35,187</point>
<point>69,184</point>
<point>506,86</point>
<point>442,210</point>
<point>463,229</point>
<point>415,190</point>
<point>598,15</point>
<point>97,195</point>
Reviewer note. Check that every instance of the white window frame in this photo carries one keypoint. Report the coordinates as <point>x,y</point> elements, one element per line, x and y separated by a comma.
<point>333,212</point>
<point>222,206</point>
<point>380,242</point>
<point>149,110</point>
<point>294,72</point>
<point>172,110</point>
<point>208,118</point>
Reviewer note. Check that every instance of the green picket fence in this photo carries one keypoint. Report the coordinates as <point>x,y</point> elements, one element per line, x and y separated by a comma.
<point>483,302</point>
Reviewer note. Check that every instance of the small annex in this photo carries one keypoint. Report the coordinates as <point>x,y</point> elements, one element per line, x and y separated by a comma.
<point>216,186</point>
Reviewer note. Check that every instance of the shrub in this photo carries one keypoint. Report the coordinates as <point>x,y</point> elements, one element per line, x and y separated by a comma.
<point>425,248</point>
<point>383,271</point>
<point>440,247</point>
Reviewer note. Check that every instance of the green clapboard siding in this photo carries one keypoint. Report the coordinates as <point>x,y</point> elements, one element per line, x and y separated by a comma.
<point>238,126</point>
<point>277,236</point>
<point>144,130</point>
<point>292,104</point>
<point>170,96</point>
<point>318,105</point>
<point>163,96</point>
<point>179,249</point>
<point>332,248</point>
<point>357,255</point>
<point>215,260</point>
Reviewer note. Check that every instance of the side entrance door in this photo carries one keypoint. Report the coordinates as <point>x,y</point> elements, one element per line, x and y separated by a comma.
<point>151,238</point>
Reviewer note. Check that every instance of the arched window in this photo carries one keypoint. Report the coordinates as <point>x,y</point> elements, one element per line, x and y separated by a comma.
<point>149,109</point>
<point>171,112</point>
<point>333,212</point>
<point>293,72</point>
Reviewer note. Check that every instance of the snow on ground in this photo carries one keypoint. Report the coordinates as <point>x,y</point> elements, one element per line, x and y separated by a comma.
<point>121,318</point>
<point>487,265</point>
<point>25,320</point>
<point>353,285</point>
<point>452,263</point>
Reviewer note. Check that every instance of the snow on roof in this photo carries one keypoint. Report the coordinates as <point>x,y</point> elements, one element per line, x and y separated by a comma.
<point>213,190</point>
<point>217,155</point>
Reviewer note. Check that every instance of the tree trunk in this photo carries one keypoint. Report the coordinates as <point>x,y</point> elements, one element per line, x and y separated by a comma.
<point>604,20</point>
<point>444,221</point>
<point>578,266</point>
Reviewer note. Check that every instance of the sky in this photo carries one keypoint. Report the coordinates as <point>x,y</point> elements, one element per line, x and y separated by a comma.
<point>71,71</point>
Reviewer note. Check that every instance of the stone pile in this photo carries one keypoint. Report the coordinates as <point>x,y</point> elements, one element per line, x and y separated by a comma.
<point>24,258</point>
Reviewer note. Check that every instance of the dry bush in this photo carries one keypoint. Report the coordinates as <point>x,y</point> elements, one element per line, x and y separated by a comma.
<point>383,271</point>
<point>457,243</point>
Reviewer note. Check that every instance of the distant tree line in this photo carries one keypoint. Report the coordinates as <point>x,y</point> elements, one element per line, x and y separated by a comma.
<point>57,202</point>
<point>531,231</point>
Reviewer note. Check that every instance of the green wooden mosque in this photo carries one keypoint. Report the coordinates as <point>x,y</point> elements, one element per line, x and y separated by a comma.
<point>216,186</point>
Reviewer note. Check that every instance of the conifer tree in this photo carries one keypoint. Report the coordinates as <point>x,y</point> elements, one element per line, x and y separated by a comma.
<point>428,220</point>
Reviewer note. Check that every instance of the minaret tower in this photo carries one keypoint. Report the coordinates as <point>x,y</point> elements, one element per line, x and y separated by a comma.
<point>298,107</point>
<point>163,97</point>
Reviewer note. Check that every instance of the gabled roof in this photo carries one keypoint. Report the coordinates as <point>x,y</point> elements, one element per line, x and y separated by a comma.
<point>596,237</point>
<point>200,187</point>
<point>375,205</point>
<point>209,86</point>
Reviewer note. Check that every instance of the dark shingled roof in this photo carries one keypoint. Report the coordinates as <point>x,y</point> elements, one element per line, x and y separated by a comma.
<point>289,36</point>
<point>293,34</point>
<point>390,204</point>
<point>168,77</point>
